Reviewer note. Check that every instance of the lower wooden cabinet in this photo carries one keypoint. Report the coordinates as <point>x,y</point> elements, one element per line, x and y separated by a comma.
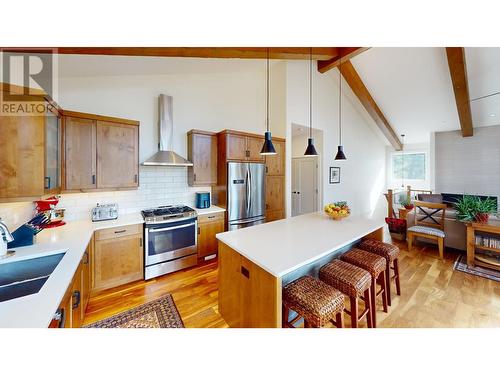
<point>208,226</point>
<point>118,257</point>
<point>71,311</point>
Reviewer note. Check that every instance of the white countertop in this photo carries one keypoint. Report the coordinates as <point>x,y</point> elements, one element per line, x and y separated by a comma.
<point>285,245</point>
<point>210,210</point>
<point>37,310</point>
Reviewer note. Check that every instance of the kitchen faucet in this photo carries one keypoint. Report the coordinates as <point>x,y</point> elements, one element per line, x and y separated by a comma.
<point>5,233</point>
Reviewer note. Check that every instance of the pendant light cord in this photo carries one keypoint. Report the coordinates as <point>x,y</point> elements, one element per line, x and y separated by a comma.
<point>267,92</point>
<point>310,92</point>
<point>340,101</point>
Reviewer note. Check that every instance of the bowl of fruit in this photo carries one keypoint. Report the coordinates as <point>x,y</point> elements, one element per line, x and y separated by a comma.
<point>337,210</point>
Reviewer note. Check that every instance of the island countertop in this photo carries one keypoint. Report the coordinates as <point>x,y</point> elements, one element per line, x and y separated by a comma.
<point>285,245</point>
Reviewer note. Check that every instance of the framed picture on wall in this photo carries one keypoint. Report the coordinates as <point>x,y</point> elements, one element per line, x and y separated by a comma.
<point>334,175</point>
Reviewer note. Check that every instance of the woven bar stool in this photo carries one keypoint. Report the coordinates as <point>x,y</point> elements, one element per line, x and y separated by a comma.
<point>375,265</point>
<point>318,303</point>
<point>354,282</point>
<point>390,253</point>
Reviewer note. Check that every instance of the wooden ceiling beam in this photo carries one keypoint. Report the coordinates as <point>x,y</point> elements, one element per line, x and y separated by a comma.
<point>282,53</point>
<point>346,53</point>
<point>458,72</point>
<point>358,87</point>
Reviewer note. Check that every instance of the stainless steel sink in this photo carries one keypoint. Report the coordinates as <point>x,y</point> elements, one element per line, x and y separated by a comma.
<point>24,277</point>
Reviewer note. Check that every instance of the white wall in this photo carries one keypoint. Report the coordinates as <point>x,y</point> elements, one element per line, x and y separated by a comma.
<point>468,164</point>
<point>363,173</point>
<point>207,101</point>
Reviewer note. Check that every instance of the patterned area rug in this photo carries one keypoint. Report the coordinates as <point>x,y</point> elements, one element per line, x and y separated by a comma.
<point>161,313</point>
<point>461,265</point>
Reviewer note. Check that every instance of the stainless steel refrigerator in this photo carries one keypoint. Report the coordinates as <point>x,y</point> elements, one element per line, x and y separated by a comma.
<point>246,194</point>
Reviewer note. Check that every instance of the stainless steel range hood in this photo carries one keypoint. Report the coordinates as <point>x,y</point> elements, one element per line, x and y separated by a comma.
<point>166,156</point>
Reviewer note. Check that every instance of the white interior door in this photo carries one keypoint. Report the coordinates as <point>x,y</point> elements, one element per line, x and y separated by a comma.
<point>304,185</point>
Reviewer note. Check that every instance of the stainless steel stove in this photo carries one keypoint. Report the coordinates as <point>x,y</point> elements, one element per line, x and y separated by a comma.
<point>164,214</point>
<point>171,239</point>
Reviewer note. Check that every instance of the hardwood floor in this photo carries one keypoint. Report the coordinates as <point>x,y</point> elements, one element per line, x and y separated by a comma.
<point>433,295</point>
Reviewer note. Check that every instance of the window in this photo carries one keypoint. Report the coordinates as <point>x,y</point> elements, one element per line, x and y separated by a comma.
<point>411,168</point>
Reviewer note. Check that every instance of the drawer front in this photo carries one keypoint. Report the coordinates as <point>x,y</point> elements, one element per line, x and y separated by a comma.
<point>207,218</point>
<point>117,232</point>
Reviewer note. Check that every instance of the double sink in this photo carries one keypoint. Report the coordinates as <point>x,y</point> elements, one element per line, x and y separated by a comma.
<point>25,277</point>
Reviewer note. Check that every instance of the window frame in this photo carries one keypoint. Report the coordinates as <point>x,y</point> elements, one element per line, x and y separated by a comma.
<point>410,181</point>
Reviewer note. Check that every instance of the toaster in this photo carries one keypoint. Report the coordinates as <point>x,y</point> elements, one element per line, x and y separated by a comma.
<point>105,212</point>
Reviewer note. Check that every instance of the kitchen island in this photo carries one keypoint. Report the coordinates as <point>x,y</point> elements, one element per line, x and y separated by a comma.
<point>255,262</point>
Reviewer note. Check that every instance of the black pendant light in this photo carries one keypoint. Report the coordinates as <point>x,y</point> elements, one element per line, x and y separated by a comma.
<point>402,160</point>
<point>310,150</point>
<point>340,149</point>
<point>267,147</point>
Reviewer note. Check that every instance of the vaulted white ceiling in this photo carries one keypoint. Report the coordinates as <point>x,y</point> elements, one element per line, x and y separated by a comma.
<point>412,87</point>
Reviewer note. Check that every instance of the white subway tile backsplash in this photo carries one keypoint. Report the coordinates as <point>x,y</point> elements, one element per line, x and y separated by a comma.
<point>158,186</point>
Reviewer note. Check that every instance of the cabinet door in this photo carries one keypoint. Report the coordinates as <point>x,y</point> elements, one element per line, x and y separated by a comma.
<point>274,193</point>
<point>202,151</point>
<point>86,268</point>
<point>254,146</point>
<point>236,147</point>
<point>275,164</point>
<point>52,153</point>
<point>117,155</point>
<point>21,156</point>
<point>80,153</point>
<point>76,300</point>
<point>207,243</point>
<point>118,261</point>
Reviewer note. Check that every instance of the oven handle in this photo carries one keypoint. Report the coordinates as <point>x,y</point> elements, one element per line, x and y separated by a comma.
<point>171,228</point>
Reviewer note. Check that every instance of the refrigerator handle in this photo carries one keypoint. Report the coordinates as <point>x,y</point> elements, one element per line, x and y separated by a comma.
<point>248,191</point>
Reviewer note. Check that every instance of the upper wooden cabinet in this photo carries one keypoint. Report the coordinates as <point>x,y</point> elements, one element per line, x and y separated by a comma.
<point>100,152</point>
<point>240,146</point>
<point>117,155</point>
<point>236,147</point>
<point>80,153</point>
<point>254,146</point>
<point>22,156</point>
<point>202,151</point>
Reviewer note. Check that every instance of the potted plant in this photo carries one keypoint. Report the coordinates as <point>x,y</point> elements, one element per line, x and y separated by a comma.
<point>406,203</point>
<point>397,228</point>
<point>470,208</point>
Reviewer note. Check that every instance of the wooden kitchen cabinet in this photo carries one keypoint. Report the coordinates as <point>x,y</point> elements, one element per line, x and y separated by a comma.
<point>241,146</point>
<point>202,152</point>
<point>208,226</point>
<point>100,152</point>
<point>80,153</point>
<point>118,257</point>
<point>236,147</point>
<point>117,155</point>
<point>275,183</point>
<point>22,156</point>
<point>254,146</point>
<point>275,164</point>
<point>76,300</point>
<point>275,186</point>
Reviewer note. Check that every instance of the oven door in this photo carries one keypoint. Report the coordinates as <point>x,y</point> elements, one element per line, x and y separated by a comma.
<point>170,241</point>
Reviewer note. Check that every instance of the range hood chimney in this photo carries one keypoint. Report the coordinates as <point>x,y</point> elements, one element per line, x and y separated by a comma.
<point>166,156</point>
